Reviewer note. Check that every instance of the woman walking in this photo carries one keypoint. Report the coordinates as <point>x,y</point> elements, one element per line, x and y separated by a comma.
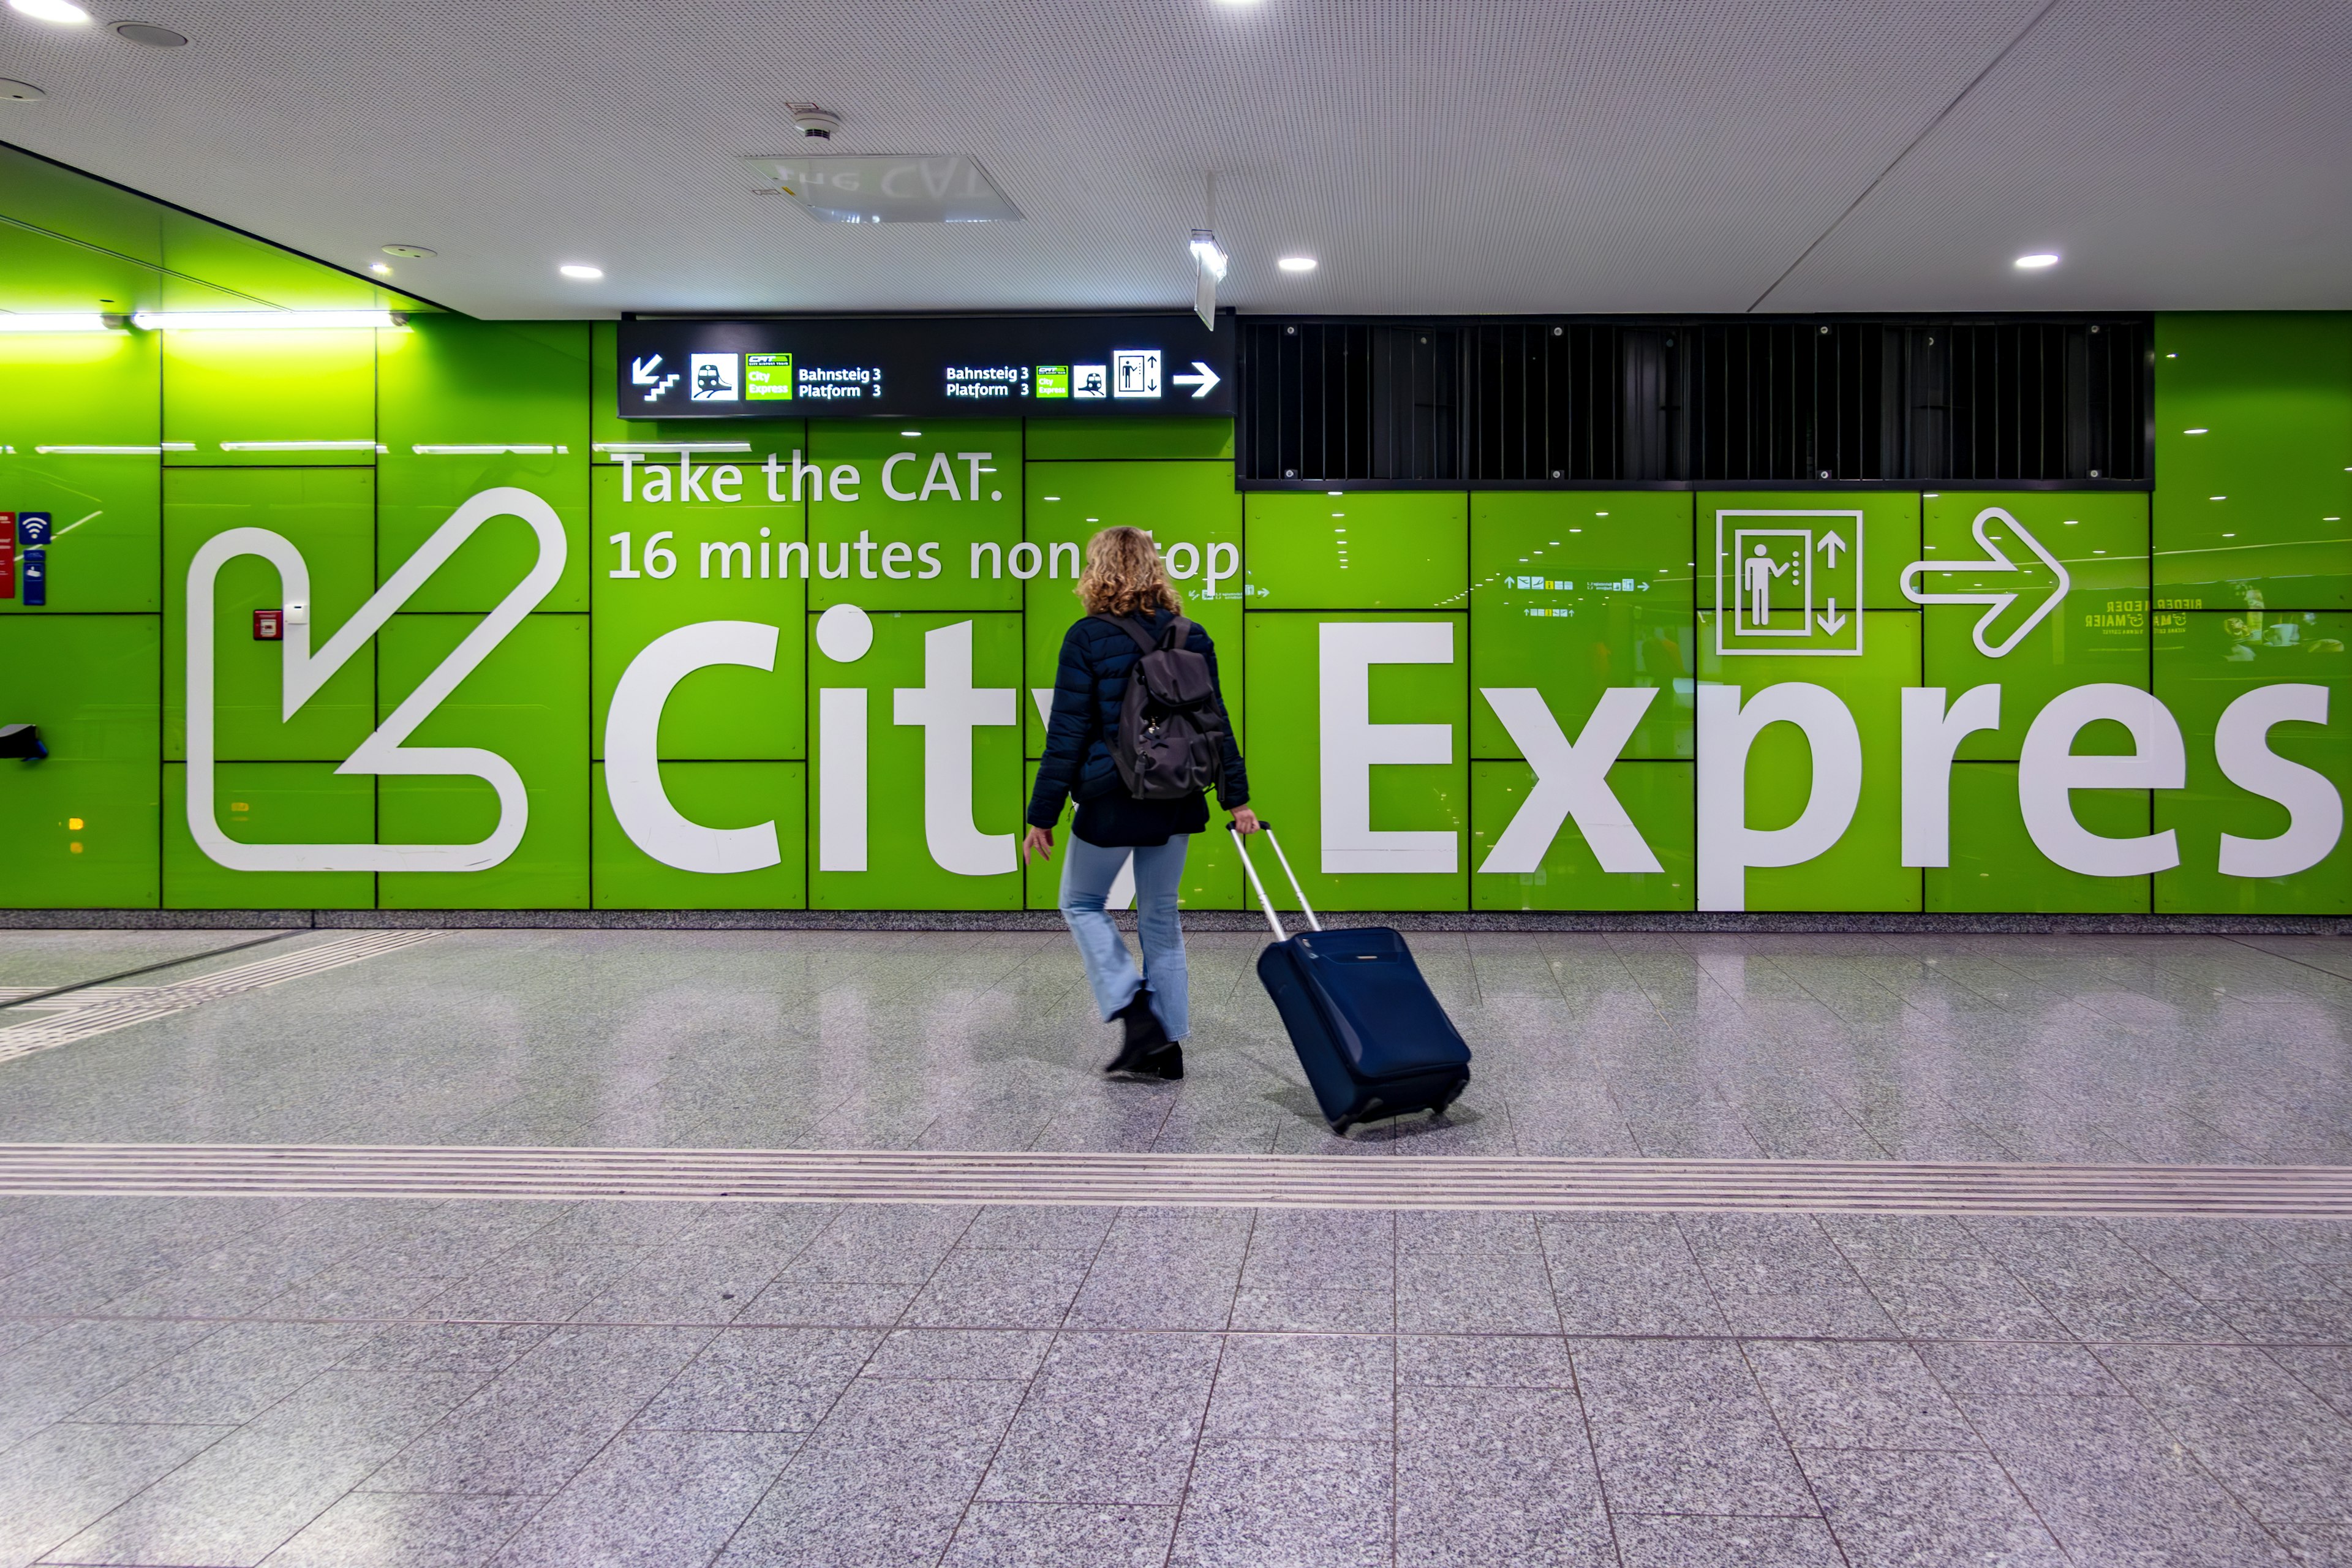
<point>1130,605</point>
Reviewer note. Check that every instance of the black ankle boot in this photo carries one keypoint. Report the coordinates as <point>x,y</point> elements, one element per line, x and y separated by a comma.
<point>1167,1062</point>
<point>1143,1034</point>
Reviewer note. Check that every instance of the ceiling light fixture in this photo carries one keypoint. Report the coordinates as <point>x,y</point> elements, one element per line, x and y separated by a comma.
<point>380,269</point>
<point>61,11</point>
<point>1297,263</point>
<point>152,34</point>
<point>58,321</point>
<point>410,252</point>
<point>20,91</point>
<point>266,321</point>
<point>581,270</point>
<point>2036,260</point>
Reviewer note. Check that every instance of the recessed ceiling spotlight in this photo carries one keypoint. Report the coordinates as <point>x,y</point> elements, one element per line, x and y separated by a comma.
<point>21,91</point>
<point>1297,264</point>
<point>155,35</point>
<point>409,252</point>
<point>2036,260</point>
<point>581,270</point>
<point>64,11</point>
<point>380,269</point>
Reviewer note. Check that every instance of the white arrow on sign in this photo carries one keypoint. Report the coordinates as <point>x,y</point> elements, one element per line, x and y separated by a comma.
<point>1200,383</point>
<point>1831,623</point>
<point>1829,545</point>
<point>641,371</point>
<point>1996,560</point>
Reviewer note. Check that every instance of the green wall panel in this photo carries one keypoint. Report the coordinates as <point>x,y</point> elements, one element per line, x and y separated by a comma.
<point>1573,594</point>
<point>970,501</point>
<point>1863,870</point>
<point>901,872</point>
<point>2205,661</point>
<point>89,682</point>
<point>1050,440</point>
<point>527,702</point>
<point>2251,510</point>
<point>725,712</point>
<point>1375,550</point>
<point>714,794</point>
<point>1177,503</point>
<point>1287,741</point>
<point>449,386</point>
<point>329,515</point>
<point>1996,867</point>
<point>290,399</point>
<point>269,803</point>
<point>84,390</point>
<point>1657,795</point>
<point>2099,632</point>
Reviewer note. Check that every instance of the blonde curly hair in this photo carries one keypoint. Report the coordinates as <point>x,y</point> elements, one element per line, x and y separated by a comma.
<point>1123,575</point>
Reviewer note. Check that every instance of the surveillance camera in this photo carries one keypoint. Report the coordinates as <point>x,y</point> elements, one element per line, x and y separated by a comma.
<point>813,123</point>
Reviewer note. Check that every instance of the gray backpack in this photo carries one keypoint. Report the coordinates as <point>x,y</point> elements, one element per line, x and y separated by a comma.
<point>1171,726</point>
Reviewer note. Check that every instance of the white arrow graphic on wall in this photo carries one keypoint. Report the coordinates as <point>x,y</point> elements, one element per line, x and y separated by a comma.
<point>1200,383</point>
<point>1996,600</point>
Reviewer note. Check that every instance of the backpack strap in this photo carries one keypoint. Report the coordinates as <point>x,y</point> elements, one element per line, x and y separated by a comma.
<point>1144,641</point>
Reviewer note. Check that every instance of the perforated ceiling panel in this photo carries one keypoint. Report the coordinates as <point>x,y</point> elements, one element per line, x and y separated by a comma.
<point>1481,156</point>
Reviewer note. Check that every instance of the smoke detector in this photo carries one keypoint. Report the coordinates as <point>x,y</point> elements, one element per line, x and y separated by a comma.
<point>813,123</point>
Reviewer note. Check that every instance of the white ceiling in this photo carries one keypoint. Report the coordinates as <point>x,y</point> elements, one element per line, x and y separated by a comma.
<point>1489,155</point>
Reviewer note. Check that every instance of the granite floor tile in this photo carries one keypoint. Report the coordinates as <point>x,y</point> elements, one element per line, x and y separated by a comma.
<point>1474,1292</point>
<point>2277,1447</point>
<point>231,1375</point>
<point>246,1494</point>
<point>407,1530</point>
<point>1134,1285</point>
<point>1295,1309</point>
<point>1680,1427</point>
<point>1044,1227</point>
<point>1302,1386</point>
<point>1252,1503</point>
<point>1628,1277</point>
<point>1850,1395</point>
<point>1109,1418</point>
<point>2318,1545</point>
<point>1780,1274</point>
<point>1699,1540</point>
<point>50,1377</point>
<point>2110,1482</point>
<point>533,1425</point>
<point>1912,1508</point>
<point>760,1380</point>
<point>1061,1535</point>
<point>933,1353</point>
<point>483,1349</point>
<point>64,1478</point>
<point>1971,1372</point>
<point>653,1500</point>
<point>1001,1289</point>
<point>886,1479</point>
<point>1497,1476</point>
<point>1484,1361</point>
<point>792,1305</point>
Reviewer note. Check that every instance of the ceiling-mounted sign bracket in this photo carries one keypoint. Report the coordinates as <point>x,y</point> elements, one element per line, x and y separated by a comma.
<point>905,367</point>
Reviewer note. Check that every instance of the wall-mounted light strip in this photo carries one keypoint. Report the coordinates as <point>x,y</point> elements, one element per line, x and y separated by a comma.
<point>265,320</point>
<point>673,446</point>
<point>300,446</point>
<point>116,452</point>
<point>488,451</point>
<point>58,322</point>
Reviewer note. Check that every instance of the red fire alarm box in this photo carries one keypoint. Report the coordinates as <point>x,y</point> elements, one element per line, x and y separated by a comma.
<point>268,625</point>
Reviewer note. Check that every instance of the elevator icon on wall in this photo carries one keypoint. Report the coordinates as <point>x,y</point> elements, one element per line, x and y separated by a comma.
<point>1787,583</point>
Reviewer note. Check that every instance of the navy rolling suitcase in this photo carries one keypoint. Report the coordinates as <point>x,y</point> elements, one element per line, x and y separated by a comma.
<point>1370,1035</point>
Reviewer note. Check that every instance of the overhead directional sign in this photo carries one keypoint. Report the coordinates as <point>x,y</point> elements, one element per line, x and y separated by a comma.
<point>1998,580</point>
<point>833,367</point>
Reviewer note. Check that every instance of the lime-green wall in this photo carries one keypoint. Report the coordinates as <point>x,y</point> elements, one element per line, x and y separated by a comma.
<point>2236,574</point>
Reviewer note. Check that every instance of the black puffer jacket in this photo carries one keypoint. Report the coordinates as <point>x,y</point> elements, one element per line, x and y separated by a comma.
<point>1089,684</point>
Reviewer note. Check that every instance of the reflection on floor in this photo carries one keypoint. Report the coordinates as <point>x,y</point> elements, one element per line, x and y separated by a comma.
<point>391,1380</point>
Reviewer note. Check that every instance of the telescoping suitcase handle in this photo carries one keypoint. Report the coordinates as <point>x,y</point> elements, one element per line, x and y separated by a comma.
<point>1241,842</point>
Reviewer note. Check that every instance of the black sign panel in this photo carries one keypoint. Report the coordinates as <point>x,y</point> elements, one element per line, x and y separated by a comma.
<point>909,367</point>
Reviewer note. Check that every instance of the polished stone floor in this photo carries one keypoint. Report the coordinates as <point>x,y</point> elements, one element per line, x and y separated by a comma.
<point>204,1379</point>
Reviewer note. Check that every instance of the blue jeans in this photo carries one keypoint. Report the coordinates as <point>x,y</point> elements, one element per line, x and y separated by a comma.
<point>1087,870</point>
